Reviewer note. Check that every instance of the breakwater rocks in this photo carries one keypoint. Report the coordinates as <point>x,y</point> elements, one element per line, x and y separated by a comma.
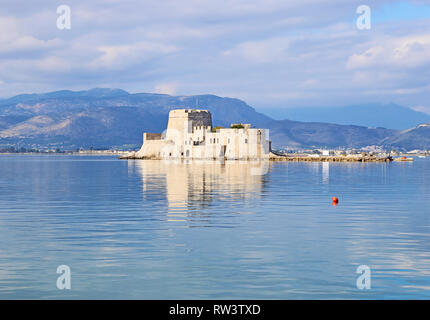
<point>133,155</point>
<point>295,158</point>
<point>310,158</point>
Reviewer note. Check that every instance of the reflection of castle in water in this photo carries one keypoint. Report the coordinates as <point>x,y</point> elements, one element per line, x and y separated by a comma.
<point>194,182</point>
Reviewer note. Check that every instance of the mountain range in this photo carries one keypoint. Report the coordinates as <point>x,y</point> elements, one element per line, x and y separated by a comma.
<point>107,118</point>
<point>374,115</point>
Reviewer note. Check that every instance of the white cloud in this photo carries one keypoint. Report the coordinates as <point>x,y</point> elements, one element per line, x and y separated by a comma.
<point>52,65</point>
<point>123,55</point>
<point>166,88</point>
<point>403,52</point>
<point>28,44</point>
<point>425,109</point>
<point>10,24</point>
<point>266,51</point>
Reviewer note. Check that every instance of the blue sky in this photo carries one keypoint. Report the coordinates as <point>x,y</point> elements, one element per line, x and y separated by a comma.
<point>271,53</point>
<point>402,10</point>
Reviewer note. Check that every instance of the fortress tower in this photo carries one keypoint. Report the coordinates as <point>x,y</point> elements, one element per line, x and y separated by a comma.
<point>183,121</point>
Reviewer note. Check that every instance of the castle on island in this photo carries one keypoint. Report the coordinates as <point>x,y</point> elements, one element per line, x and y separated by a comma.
<point>190,135</point>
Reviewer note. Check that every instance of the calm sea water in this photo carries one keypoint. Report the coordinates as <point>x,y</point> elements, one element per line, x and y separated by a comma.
<point>205,230</point>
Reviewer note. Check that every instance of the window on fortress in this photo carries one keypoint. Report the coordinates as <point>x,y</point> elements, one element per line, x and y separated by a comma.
<point>246,140</point>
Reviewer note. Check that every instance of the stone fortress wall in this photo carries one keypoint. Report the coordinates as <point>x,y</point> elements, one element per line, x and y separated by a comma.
<point>189,135</point>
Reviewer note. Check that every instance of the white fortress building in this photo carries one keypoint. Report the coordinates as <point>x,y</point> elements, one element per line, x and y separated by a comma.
<point>190,135</point>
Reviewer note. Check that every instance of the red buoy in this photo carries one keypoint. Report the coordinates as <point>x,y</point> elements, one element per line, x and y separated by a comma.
<point>335,201</point>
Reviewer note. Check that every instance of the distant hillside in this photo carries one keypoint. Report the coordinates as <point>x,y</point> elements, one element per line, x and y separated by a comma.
<point>415,138</point>
<point>308,134</point>
<point>390,116</point>
<point>104,118</point>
